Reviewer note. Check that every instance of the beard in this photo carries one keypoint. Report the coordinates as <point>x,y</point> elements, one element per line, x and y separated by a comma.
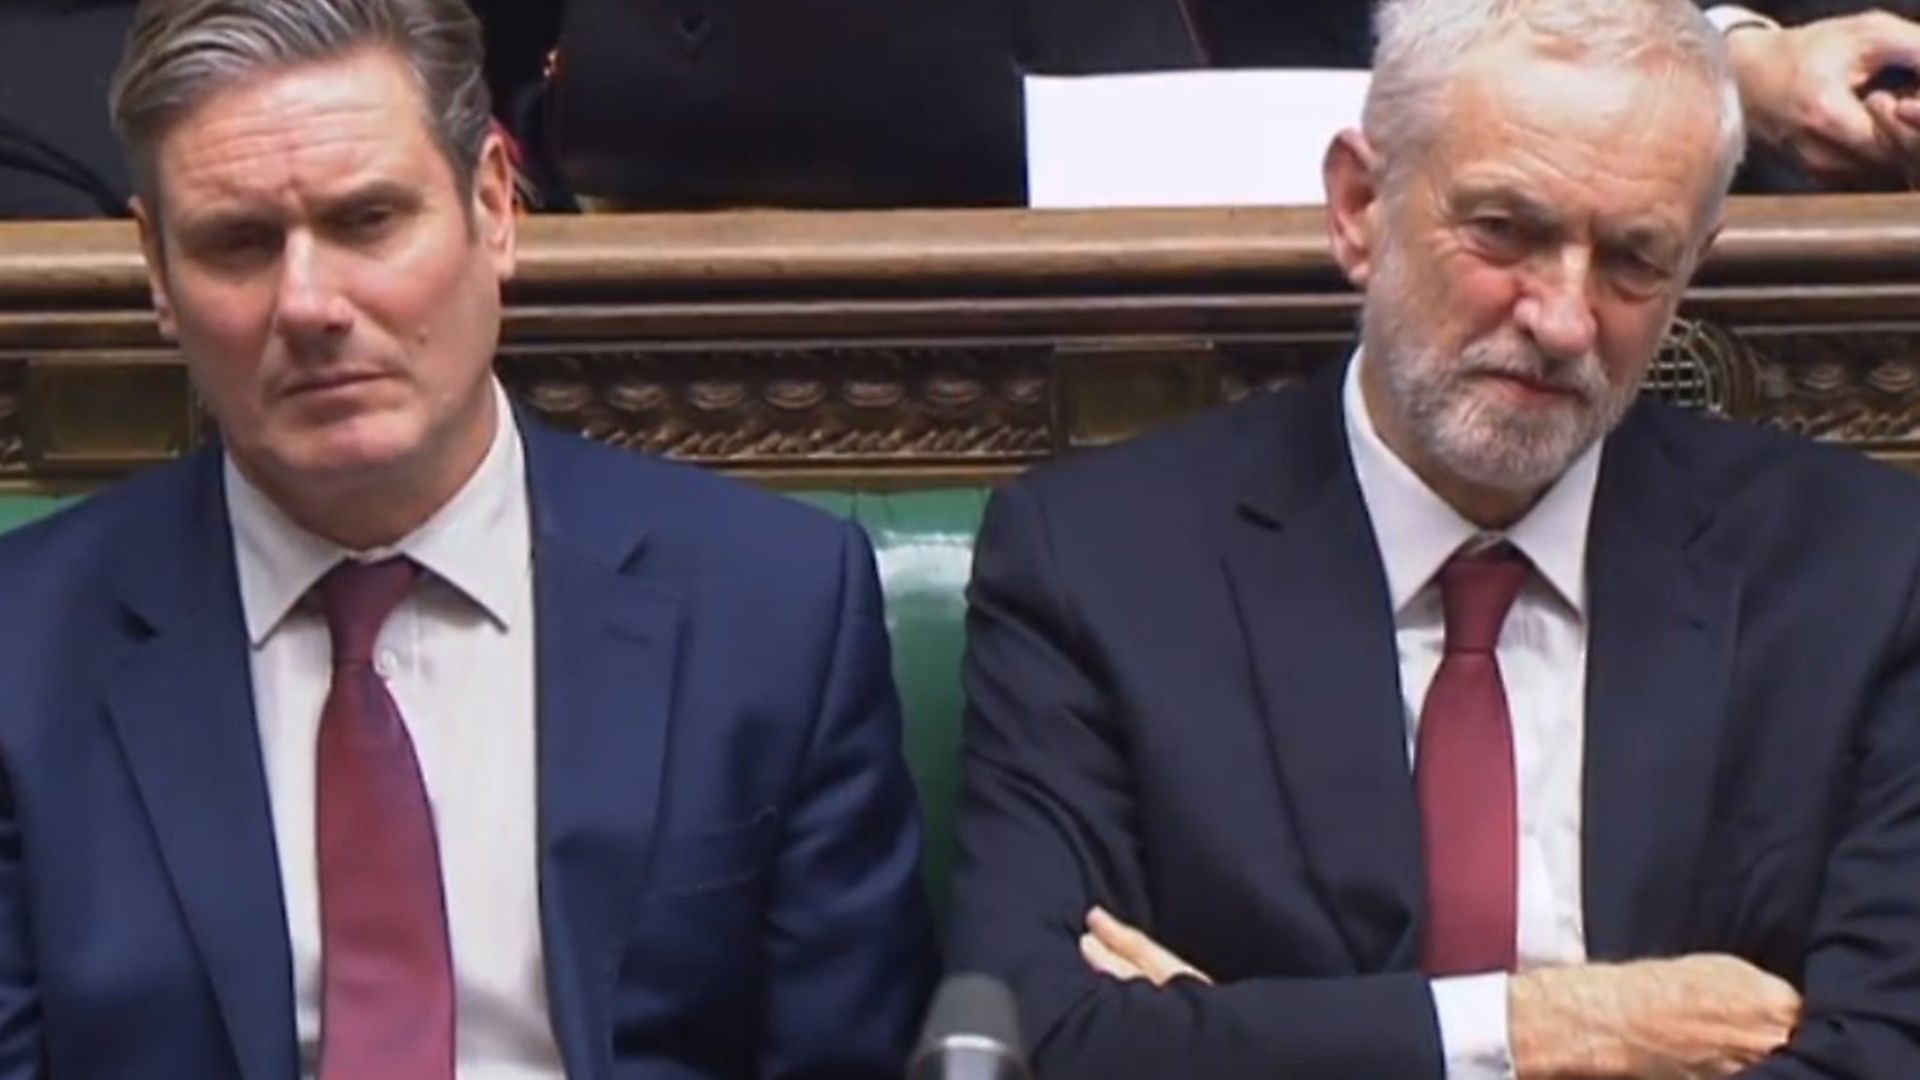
<point>1455,408</point>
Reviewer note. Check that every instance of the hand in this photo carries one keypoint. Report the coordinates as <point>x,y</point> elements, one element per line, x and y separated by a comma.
<point>1899,120</point>
<point>1801,89</point>
<point>1111,947</point>
<point>1701,1017</point>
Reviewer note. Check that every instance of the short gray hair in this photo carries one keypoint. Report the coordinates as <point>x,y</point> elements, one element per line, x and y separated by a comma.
<point>181,52</point>
<point>1424,46</point>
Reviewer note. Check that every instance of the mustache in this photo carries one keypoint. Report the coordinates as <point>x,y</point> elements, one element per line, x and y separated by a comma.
<point>1581,375</point>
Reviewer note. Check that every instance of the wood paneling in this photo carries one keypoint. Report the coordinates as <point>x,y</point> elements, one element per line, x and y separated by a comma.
<point>928,347</point>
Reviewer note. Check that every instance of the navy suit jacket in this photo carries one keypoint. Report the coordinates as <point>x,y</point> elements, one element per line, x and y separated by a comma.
<point>1184,704</point>
<point>729,841</point>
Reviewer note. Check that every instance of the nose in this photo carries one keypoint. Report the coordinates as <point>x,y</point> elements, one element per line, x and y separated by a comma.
<point>311,312</point>
<point>1556,308</point>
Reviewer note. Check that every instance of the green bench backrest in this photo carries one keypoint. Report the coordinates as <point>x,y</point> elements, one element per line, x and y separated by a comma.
<point>923,542</point>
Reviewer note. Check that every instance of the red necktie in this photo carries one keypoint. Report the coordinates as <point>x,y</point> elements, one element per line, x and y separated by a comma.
<point>387,969</point>
<point>1463,768</point>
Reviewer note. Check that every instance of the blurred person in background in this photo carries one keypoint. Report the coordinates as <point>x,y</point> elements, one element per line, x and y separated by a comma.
<point>58,155</point>
<point>691,105</point>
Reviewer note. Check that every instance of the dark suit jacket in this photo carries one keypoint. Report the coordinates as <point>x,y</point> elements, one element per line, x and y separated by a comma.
<point>699,103</point>
<point>1067,37</point>
<point>729,841</point>
<point>691,104</point>
<point>1184,704</point>
<point>59,157</point>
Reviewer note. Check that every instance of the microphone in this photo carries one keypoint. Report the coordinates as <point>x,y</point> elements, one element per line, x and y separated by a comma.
<point>972,1033</point>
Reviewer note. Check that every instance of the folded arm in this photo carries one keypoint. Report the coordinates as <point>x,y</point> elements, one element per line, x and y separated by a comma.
<point>1047,832</point>
<point>1862,975</point>
<point>1050,846</point>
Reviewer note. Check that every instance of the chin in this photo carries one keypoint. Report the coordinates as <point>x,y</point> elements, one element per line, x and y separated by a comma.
<point>364,446</point>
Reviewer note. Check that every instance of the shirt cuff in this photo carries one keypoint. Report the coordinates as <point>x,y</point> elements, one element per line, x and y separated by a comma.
<point>1473,1026</point>
<point>1725,17</point>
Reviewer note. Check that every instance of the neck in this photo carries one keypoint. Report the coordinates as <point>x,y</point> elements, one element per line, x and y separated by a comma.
<point>1489,508</point>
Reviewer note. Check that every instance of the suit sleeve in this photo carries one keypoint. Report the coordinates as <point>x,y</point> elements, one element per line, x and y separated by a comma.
<point>1861,988</point>
<point>20,1053</point>
<point>849,933</point>
<point>1048,828</point>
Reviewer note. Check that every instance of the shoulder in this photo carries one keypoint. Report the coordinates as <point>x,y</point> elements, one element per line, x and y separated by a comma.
<point>1796,518</point>
<point>90,534</point>
<point>65,579</point>
<point>696,522</point>
<point>1177,480</point>
<point>1736,467</point>
<point>1208,449</point>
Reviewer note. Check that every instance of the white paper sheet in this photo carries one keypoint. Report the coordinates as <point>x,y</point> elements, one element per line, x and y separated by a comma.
<point>1185,138</point>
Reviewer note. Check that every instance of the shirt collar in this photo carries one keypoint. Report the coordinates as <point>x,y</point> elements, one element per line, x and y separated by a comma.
<point>1418,531</point>
<point>476,543</point>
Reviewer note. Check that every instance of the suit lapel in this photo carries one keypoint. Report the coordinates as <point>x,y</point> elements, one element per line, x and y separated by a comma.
<point>1306,579</point>
<point>181,705</point>
<point>607,647</point>
<point>1659,658</point>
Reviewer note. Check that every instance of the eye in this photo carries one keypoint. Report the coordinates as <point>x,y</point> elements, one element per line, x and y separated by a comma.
<point>239,245</point>
<point>1497,235</point>
<point>1636,273</point>
<point>370,219</point>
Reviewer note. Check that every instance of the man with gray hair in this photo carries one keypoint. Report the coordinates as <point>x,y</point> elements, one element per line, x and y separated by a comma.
<point>398,737</point>
<point>1458,715</point>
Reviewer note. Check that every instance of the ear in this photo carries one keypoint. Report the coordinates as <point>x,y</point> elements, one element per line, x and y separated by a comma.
<point>152,247</point>
<point>494,203</point>
<point>1351,172</point>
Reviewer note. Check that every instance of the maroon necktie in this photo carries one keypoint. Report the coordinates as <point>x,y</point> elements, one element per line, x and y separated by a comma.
<point>1463,768</point>
<point>387,970</point>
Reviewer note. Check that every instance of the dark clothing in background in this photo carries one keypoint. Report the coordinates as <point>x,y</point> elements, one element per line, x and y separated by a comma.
<point>1099,36</point>
<point>1774,172</point>
<point>687,104</point>
<point>1796,12</point>
<point>684,104</point>
<point>58,154</point>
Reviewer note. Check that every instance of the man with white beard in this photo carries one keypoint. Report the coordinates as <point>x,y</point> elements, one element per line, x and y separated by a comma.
<point>1458,715</point>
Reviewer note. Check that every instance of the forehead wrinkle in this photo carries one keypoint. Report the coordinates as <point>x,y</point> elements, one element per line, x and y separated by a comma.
<point>1527,147</point>
<point>282,137</point>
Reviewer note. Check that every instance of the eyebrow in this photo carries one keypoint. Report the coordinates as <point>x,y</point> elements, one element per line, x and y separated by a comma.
<point>205,224</point>
<point>1645,233</point>
<point>376,191</point>
<point>1529,210</point>
<point>222,219</point>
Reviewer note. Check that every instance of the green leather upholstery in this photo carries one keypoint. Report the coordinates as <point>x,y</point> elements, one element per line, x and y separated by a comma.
<point>923,542</point>
<point>20,509</point>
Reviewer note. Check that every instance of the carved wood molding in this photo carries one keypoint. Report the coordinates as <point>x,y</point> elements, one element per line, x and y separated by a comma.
<point>13,440</point>
<point>919,347</point>
<point>831,405</point>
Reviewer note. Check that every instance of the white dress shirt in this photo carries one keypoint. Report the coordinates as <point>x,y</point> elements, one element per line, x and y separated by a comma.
<point>1543,665</point>
<point>458,657</point>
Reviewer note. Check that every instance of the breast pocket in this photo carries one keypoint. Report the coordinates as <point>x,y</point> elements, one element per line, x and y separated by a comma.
<point>712,859</point>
